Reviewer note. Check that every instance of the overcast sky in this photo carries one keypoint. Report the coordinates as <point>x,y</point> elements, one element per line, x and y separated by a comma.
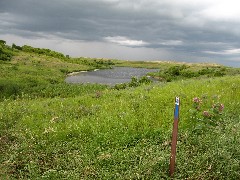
<point>180,30</point>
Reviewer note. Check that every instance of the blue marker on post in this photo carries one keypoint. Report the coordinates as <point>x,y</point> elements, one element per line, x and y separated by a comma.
<point>176,110</point>
<point>174,136</point>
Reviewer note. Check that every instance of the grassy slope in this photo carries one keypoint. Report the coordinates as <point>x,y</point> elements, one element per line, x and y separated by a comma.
<point>93,132</point>
<point>36,75</point>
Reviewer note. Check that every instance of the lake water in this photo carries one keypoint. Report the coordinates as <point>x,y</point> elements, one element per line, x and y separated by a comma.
<point>109,76</point>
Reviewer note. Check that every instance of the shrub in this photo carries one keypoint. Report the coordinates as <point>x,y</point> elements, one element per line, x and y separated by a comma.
<point>9,88</point>
<point>5,53</point>
<point>175,70</point>
<point>206,71</point>
<point>189,74</point>
<point>172,73</point>
<point>219,74</point>
<point>135,82</point>
<point>144,80</point>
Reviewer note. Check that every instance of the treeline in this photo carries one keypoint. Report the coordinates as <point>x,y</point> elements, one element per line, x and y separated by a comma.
<point>5,51</point>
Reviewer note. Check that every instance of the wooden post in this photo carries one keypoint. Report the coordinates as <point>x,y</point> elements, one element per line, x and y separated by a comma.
<point>174,137</point>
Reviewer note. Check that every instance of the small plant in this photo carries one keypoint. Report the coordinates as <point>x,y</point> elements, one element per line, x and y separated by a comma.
<point>206,110</point>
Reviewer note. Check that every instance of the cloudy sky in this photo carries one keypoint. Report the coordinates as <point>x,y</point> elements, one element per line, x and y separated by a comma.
<point>180,30</point>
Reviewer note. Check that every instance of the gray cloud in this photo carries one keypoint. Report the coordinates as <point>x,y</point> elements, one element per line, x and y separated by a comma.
<point>199,30</point>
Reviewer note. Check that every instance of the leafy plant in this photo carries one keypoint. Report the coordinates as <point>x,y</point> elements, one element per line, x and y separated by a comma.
<point>207,111</point>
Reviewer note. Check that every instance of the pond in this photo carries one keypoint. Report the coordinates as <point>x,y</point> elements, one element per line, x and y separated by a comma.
<point>109,76</point>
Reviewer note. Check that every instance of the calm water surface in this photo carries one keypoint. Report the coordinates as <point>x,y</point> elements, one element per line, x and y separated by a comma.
<point>109,76</point>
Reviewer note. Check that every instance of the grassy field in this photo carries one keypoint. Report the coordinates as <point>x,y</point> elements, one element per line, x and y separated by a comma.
<point>53,130</point>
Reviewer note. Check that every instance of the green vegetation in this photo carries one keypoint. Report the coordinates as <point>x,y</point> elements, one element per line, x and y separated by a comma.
<point>135,82</point>
<point>92,62</point>
<point>178,72</point>
<point>5,51</point>
<point>53,130</point>
<point>44,51</point>
<point>28,73</point>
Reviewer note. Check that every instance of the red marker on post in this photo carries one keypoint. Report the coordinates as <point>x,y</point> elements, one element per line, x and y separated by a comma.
<point>174,137</point>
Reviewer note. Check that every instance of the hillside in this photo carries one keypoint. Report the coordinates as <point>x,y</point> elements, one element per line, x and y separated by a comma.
<point>53,130</point>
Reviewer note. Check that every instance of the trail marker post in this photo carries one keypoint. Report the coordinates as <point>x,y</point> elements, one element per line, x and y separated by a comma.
<point>174,137</point>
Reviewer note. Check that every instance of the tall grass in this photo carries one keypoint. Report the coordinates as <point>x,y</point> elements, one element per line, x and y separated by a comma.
<point>105,133</point>
<point>53,130</point>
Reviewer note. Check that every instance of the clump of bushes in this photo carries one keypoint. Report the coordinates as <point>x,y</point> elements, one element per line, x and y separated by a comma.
<point>183,72</point>
<point>135,82</point>
<point>9,88</point>
<point>5,51</point>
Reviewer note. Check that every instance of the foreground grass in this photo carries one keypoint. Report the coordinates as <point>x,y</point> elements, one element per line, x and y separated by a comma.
<point>105,133</point>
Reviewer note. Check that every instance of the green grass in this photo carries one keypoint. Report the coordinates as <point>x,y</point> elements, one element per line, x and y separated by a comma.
<point>121,134</point>
<point>53,130</point>
<point>30,73</point>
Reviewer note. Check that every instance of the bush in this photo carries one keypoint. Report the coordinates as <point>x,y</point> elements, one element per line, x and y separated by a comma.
<point>144,80</point>
<point>5,53</point>
<point>189,74</point>
<point>219,74</point>
<point>206,71</point>
<point>172,73</point>
<point>135,82</point>
<point>175,70</point>
<point>9,88</point>
<point>120,86</point>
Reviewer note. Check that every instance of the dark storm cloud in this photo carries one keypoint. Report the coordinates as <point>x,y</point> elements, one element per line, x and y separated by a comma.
<point>92,19</point>
<point>182,27</point>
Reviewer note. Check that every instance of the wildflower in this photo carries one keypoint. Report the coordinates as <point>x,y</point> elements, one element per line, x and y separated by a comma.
<point>221,107</point>
<point>197,100</point>
<point>206,114</point>
<point>218,107</point>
